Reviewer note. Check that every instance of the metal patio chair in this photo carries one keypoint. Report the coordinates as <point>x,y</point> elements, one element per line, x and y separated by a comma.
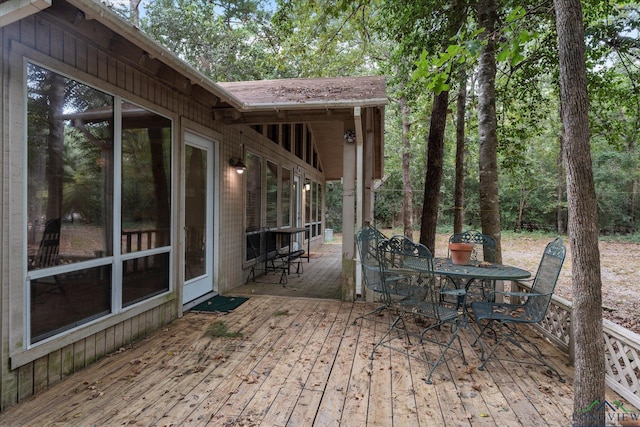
<point>367,241</point>
<point>420,310</point>
<point>484,249</point>
<point>504,318</point>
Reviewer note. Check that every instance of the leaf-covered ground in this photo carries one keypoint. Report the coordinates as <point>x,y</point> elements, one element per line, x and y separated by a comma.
<point>620,272</point>
<point>619,263</point>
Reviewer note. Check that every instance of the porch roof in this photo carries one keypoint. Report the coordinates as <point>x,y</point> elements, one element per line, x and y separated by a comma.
<point>326,104</point>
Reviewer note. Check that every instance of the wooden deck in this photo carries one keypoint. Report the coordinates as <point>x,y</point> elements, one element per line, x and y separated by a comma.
<point>299,362</point>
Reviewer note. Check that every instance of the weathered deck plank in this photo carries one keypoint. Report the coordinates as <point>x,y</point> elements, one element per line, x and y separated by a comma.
<point>306,366</point>
<point>312,386</point>
<point>272,370</point>
<point>178,368</point>
<point>331,408</point>
<point>235,370</point>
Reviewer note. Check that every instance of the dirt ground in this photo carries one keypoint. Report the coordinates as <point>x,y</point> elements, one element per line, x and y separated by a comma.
<point>620,270</point>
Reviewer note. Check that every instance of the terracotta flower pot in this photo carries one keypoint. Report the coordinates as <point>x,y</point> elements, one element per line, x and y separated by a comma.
<point>460,253</point>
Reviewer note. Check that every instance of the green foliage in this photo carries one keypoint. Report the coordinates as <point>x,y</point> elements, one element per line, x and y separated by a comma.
<point>436,69</point>
<point>226,40</point>
<point>614,174</point>
<point>318,38</point>
<point>333,205</point>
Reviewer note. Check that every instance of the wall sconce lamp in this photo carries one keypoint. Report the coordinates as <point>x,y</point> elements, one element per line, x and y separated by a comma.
<point>307,186</point>
<point>238,164</point>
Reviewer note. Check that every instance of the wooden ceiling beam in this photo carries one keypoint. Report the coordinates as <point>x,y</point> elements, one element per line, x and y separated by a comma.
<point>231,116</point>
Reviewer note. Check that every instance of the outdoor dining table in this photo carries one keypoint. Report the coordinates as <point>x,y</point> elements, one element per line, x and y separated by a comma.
<point>475,270</point>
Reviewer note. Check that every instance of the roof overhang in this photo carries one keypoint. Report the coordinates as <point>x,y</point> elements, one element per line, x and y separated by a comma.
<point>14,10</point>
<point>326,105</point>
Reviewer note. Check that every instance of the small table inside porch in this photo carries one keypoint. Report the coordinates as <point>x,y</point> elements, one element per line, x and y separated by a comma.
<point>292,253</point>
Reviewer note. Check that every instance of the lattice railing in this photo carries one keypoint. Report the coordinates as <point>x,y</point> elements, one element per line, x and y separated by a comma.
<point>623,361</point>
<point>622,346</point>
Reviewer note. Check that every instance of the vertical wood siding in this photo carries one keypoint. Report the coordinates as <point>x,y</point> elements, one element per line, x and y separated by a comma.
<point>51,37</point>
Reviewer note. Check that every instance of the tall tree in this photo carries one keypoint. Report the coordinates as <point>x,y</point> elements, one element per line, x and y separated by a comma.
<point>433,175</point>
<point>453,19</point>
<point>487,126</point>
<point>407,204</point>
<point>586,317</point>
<point>458,199</point>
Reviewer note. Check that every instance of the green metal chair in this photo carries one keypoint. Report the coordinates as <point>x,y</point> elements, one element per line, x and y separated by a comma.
<point>368,240</point>
<point>504,318</point>
<point>418,301</point>
<point>484,249</point>
<point>484,246</point>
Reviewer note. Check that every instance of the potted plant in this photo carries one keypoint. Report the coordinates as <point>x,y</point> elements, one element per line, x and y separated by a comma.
<point>460,253</point>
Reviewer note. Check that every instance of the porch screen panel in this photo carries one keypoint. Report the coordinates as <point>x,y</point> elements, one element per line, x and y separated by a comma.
<point>195,251</point>
<point>69,162</point>
<point>146,179</point>
<point>319,209</point>
<point>70,214</point>
<point>307,203</point>
<point>298,141</point>
<point>70,154</point>
<point>63,301</point>
<point>253,192</point>
<point>314,209</point>
<point>286,197</point>
<point>144,277</point>
<point>272,194</point>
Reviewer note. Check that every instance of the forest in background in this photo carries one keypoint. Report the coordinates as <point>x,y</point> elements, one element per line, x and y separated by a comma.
<point>253,39</point>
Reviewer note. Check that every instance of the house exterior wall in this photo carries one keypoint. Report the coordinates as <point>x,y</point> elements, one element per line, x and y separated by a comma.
<point>54,43</point>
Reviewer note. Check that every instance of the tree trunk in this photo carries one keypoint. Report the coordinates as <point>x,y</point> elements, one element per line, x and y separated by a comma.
<point>487,125</point>
<point>55,148</point>
<point>433,175</point>
<point>458,194</point>
<point>560,194</point>
<point>160,185</point>
<point>586,317</point>
<point>135,12</point>
<point>407,205</point>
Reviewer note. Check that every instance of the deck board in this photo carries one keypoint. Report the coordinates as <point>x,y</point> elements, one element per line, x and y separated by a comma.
<point>307,366</point>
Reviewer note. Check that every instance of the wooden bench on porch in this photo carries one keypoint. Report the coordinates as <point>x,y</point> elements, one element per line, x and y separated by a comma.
<point>264,246</point>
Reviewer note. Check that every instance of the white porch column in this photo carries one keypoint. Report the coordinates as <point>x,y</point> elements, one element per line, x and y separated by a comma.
<point>349,264</point>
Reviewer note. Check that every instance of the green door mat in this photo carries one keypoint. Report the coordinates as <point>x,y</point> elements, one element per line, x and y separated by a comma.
<point>220,303</point>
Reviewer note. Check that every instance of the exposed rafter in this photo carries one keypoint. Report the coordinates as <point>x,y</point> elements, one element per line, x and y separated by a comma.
<point>232,116</point>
